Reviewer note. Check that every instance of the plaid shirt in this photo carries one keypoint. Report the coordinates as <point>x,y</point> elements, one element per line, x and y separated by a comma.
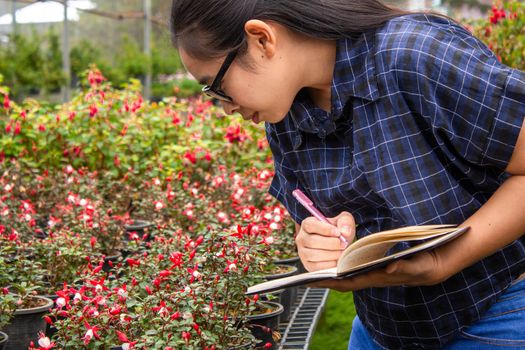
<point>423,123</point>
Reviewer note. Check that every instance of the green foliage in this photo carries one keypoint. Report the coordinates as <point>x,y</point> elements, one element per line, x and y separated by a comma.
<point>333,330</point>
<point>32,64</point>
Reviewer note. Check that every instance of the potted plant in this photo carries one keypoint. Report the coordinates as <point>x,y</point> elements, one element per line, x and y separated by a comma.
<point>7,310</point>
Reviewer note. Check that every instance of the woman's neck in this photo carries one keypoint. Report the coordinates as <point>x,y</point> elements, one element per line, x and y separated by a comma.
<point>317,60</point>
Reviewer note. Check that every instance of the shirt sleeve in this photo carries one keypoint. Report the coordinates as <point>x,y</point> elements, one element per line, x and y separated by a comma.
<point>472,102</point>
<point>284,180</point>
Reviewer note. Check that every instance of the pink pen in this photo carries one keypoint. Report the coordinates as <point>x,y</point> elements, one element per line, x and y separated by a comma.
<point>309,205</point>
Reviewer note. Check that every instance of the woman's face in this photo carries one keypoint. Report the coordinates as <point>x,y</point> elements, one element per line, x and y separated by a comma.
<point>262,85</point>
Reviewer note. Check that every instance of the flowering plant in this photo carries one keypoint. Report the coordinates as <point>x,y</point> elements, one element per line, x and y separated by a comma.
<point>191,297</point>
<point>502,31</point>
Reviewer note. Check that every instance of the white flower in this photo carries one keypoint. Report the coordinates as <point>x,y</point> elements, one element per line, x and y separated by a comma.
<point>187,315</point>
<point>268,240</point>
<point>44,342</point>
<point>88,335</point>
<point>61,302</point>
<point>83,202</point>
<point>77,298</point>
<point>268,216</point>
<point>9,187</point>
<point>156,181</point>
<point>274,226</point>
<point>159,205</point>
<point>206,309</point>
<point>69,169</point>
<point>125,346</point>
<point>187,289</point>
<point>196,274</point>
<point>232,267</point>
<point>277,218</point>
<point>122,293</point>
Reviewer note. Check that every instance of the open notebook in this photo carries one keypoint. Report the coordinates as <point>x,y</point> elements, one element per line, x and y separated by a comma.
<point>371,252</point>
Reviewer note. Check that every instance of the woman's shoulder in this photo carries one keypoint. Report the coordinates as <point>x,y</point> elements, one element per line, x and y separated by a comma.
<point>409,30</point>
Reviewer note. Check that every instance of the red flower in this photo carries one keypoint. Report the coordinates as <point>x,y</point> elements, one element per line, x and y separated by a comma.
<point>7,102</point>
<point>186,336</point>
<point>93,110</point>
<point>90,333</point>
<point>122,337</point>
<point>132,262</point>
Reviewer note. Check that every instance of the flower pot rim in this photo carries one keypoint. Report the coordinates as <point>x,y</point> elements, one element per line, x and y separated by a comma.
<point>4,337</point>
<point>286,260</point>
<point>139,224</point>
<point>38,309</point>
<point>292,271</point>
<point>273,304</point>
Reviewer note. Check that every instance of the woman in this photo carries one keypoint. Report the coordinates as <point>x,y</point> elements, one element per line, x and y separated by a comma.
<point>385,119</point>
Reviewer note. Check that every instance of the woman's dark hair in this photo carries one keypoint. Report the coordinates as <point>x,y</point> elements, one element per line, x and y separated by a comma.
<point>212,28</point>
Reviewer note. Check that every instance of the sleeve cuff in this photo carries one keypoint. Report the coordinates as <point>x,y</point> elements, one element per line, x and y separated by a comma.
<point>507,124</point>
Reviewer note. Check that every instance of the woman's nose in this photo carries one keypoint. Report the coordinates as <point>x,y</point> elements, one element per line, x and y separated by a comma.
<point>230,107</point>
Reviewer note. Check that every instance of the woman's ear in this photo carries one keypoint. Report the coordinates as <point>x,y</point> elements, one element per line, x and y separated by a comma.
<point>261,36</point>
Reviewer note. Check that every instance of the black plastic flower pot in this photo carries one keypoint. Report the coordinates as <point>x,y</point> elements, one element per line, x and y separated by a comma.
<point>110,261</point>
<point>282,297</point>
<point>51,329</point>
<point>3,340</point>
<point>26,324</point>
<point>140,227</point>
<point>265,326</point>
<point>247,346</point>
<point>288,296</point>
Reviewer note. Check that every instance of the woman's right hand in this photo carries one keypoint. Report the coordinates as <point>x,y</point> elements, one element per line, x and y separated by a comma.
<point>319,244</point>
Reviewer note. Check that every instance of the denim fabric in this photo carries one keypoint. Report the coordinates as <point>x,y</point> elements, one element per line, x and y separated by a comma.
<point>502,326</point>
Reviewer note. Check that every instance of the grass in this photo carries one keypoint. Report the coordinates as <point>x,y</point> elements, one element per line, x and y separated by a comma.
<point>335,324</point>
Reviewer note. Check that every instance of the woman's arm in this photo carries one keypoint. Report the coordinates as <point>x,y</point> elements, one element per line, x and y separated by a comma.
<point>499,222</point>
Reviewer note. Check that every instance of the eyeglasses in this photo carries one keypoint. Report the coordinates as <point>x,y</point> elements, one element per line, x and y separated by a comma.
<point>214,90</point>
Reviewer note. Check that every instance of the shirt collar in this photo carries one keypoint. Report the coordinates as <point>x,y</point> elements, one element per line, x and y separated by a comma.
<point>354,76</point>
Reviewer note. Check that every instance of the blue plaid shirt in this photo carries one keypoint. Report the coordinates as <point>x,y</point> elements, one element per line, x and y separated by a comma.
<point>423,123</point>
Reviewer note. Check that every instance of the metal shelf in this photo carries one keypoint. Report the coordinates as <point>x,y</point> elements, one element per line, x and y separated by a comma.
<point>297,333</point>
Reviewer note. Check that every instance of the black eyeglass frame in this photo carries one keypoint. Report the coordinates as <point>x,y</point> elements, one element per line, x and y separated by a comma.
<point>214,90</point>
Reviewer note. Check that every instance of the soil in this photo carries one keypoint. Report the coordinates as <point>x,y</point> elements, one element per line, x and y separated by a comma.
<point>281,269</point>
<point>30,303</point>
<point>262,309</point>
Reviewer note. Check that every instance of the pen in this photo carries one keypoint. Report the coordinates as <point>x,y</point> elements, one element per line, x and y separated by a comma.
<point>309,205</point>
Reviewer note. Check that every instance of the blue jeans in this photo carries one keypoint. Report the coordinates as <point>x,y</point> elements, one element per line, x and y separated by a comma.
<point>502,326</point>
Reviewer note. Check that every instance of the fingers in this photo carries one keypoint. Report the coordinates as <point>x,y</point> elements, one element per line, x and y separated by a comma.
<point>314,241</point>
<point>319,265</point>
<point>345,223</point>
<point>312,225</point>
<point>319,255</point>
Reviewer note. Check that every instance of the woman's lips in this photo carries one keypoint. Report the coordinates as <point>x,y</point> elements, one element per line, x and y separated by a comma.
<point>254,118</point>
